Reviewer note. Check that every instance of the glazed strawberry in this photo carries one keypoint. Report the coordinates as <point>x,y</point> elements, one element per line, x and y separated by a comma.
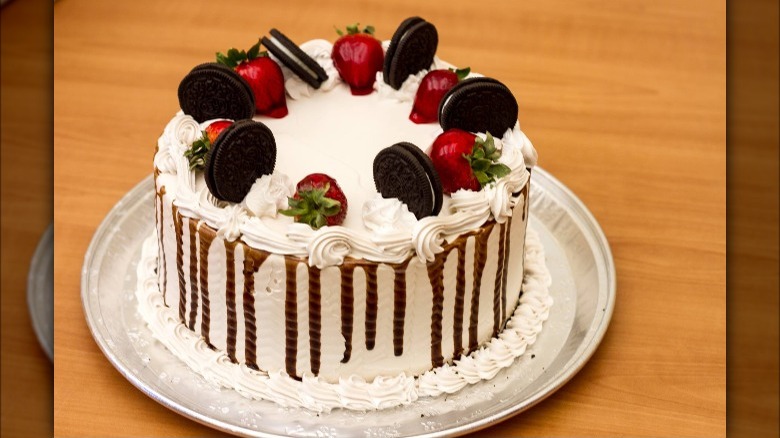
<point>433,87</point>
<point>264,77</point>
<point>358,56</point>
<point>318,201</point>
<point>466,161</point>
<point>196,154</point>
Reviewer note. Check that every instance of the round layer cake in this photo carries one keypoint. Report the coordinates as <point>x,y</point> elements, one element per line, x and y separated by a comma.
<point>383,294</point>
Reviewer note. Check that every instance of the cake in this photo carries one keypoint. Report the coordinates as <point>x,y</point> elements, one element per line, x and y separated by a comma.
<point>411,289</point>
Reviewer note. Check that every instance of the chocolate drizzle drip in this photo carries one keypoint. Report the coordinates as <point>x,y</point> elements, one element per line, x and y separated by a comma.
<point>291,316</point>
<point>253,259</point>
<point>505,272</point>
<point>436,276</point>
<point>193,226</point>
<point>399,306</point>
<point>315,323</point>
<point>371,305</point>
<point>524,192</point>
<point>206,237</point>
<point>480,257</point>
<point>499,280</point>
<point>230,298</point>
<point>159,212</point>
<point>177,223</point>
<point>347,308</point>
<point>460,296</point>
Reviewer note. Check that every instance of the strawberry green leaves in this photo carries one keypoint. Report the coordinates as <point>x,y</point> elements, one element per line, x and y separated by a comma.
<point>484,161</point>
<point>354,29</point>
<point>234,57</point>
<point>196,154</point>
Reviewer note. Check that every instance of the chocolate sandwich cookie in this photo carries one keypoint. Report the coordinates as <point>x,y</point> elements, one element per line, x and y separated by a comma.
<point>295,59</point>
<point>479,105</point>
<point>411,49</point>
<point>405,172</point>
<point>214,91</point>
<point>242,153</point>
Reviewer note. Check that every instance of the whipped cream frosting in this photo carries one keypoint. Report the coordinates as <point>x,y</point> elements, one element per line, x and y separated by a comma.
<point>351,392</point>
<point>268,195</point>
<point>369,124</point>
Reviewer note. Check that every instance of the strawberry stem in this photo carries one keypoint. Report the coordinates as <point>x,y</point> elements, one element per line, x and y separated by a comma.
<point>312,207</point>
<point>484,161</point>
<point>354,29</point>
<point>196,154</point>
<point>461,73</point>
<point>235,57</point>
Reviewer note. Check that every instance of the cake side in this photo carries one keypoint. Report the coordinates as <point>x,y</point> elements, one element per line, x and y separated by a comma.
<point>280,313</point>
<point>350,392</point>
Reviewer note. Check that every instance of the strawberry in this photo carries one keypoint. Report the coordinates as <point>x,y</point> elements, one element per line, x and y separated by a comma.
<point>197,151</point>
<point>358,56</point>
<point>215,128</point>
<point>264,77</point>
<point>465,161</point>
<point>433,87</point>
<point>318,201</point>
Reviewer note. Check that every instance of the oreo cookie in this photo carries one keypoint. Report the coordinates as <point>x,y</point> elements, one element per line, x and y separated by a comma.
<point>215,91</point>
<point>405,172</point>
<point>295,59</point>
<point>241,153</point>
<point>479,105</point>
<point>411,49</point>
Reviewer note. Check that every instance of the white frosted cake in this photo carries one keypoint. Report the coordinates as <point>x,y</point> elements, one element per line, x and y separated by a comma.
<point>374,312</point>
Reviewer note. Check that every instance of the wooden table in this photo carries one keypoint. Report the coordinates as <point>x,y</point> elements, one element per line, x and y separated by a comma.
<point>625,102</point>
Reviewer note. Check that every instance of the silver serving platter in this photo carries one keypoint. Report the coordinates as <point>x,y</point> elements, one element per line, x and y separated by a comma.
<point>40,291</point>
<point>583,288</point>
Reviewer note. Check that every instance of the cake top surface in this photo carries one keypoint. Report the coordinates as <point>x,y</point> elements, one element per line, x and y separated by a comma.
<point>330,130</point>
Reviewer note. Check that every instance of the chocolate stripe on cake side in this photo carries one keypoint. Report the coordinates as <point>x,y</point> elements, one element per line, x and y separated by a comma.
<point>499,280</point>
<point>291,317</point>
<point>371,305</point>
<point>230,298</point>
<point>159,211</point>
<point>193,228</point>
<point>460,295</point>
<point>253,259</point>
<point>436,276</point>
<point>206,237</point>
<point>505,279</point>
<point>399,306</point>
<point>315,323</point>
<point>480,257</point>
<point>177,224</point>
<point>347,308</point>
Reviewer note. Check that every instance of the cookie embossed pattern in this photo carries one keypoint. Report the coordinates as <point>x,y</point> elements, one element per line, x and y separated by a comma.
<point>424,285</point>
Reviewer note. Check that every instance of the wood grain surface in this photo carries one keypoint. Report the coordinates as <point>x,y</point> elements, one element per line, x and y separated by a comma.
<point>25,135</point>
<point>625,102</point>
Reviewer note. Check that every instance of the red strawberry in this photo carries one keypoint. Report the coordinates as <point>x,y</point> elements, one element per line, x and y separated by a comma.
<point>358,56</point>
<point>465,161</point>
<point>318,201</point>
<point>215,128</point>
<point>196,154</point>
<point>264,77</point>
<point>433,87</point>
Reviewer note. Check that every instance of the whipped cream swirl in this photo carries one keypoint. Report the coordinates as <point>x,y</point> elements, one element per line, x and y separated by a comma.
<point>268,195</point>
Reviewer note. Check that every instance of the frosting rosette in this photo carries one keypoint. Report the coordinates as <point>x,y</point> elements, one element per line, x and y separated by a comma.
<point>268,195</point>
